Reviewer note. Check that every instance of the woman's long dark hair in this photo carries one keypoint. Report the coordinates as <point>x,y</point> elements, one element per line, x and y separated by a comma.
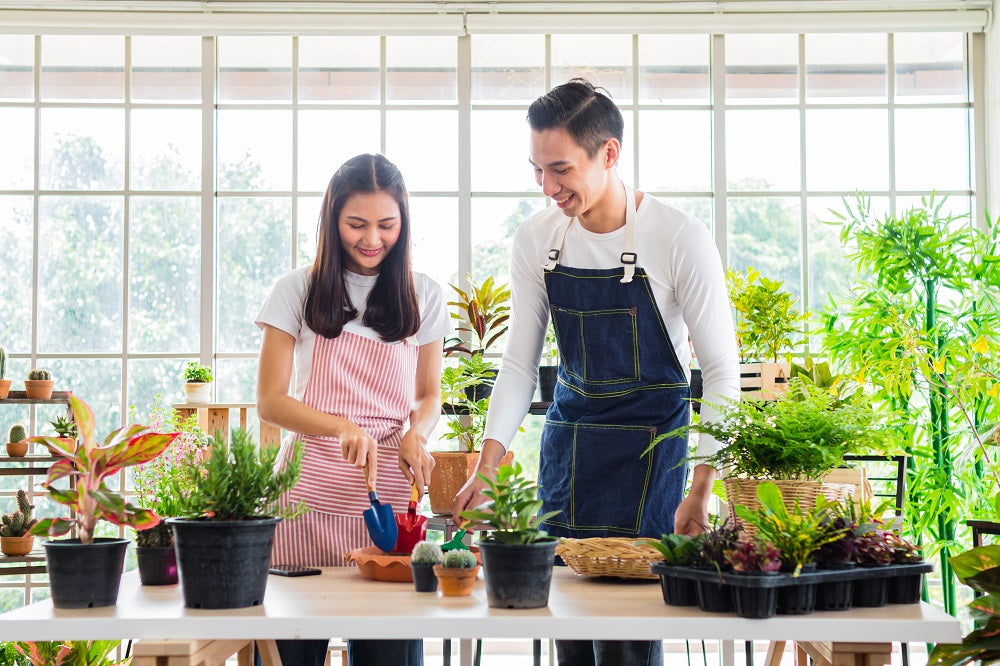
<point>392,309</point>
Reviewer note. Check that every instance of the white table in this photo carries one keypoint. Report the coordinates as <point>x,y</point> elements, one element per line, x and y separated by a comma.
<point>340,603</point>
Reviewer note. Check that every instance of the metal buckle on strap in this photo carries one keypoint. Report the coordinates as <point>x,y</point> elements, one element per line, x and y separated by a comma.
<point>554,255</point>
<point>629,257</point>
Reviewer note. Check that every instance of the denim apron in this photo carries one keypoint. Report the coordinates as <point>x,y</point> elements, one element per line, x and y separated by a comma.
<point>620,385</point>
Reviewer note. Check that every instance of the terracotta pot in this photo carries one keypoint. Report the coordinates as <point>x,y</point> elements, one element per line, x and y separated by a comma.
<point>198,392</point>
<point>456,582</point>
<point>38,389</point>
<point>4,388</point>
<point>451,470</point>
<point>16,546</point>
<point>17,449</point>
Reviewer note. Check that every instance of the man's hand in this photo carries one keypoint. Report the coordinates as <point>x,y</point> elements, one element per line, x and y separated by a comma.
<point>691,516</point>
<point>470,496</point>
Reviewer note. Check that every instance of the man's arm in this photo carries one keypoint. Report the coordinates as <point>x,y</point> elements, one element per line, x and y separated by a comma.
<point>691,516</point>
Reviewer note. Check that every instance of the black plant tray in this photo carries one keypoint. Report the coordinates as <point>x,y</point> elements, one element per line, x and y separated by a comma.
<point>786,579</point>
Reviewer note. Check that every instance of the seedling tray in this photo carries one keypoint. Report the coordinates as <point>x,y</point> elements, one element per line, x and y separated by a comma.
<point>785,579</point>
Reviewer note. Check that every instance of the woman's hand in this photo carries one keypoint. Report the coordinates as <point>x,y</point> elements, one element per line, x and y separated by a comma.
<point>359,448</point>
<point>414,460</point>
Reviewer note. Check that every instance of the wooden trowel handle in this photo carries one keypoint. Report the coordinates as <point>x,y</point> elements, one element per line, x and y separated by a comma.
<point>368,483</point>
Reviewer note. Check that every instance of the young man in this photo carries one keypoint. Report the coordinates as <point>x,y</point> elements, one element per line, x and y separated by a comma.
<point>627,280</point>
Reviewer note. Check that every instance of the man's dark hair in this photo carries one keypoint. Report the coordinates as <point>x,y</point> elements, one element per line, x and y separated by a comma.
<point>585,112</point>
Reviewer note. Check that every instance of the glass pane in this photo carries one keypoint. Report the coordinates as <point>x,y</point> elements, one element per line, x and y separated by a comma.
<point>762,69</point>
<point>773,223</point>
<point>17,61</point>
<point>166,149</point>
<point>15,294</point>
<point>339,69</point>
<point>166,68</point>
<point>846,68</point>
<point>255,249</point>
<point>676,150</point>
<point>428,156</point>
<point>164,287</point>
<point>673,69</point>
<point>255,69</point>
<point>17,136</point>
<point>435,237</point>
<point>421,69</point>
<point>700,208</point>
<point>930,67</point>
<point>508,68</point>
<point>237,382</point>
<point>847,149</point>
<point>148,378</point>
<point>80,244</point>
<point>604,60</point>
<point>308,225</point>
<point>98,382</point>
<point>762,150</point>
<point>82,149</point>
<point>626,163</point>
<point>500,142</point>
<point>327,139</point>
<point>83,67</point>
<point>932,149</point>
<point>255,150</point>
<point>954,205</point>
<point>494,221</point>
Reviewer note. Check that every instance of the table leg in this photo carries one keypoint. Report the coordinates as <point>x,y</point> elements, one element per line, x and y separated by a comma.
<point>848,654</point>
<point>269,653</point>
<point>465,652</point>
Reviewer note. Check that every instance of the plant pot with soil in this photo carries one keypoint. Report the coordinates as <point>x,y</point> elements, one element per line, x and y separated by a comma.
<point>425,555</point>
<point>457,573</point>
<point>38,385</point>
<point>4,382</point>
<point>678,551</point>
<point>17,441</point>
<point>197,383</point>
<point>15,539</point>
<point>755,557</point>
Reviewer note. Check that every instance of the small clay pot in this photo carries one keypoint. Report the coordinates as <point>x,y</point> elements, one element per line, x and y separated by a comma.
<point>17,546</point>
<point>38,389</point>
<point>456,582</point>
<point>4,388</point>
<point>17,449</point>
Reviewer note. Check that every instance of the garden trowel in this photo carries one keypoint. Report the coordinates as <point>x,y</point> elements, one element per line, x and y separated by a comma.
<point>456,543</point>
<point>379,520</point>
<point>410,526</point>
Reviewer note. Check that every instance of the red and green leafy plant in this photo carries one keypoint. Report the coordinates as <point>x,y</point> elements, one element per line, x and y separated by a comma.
<point>873,546</point>
<point>754,556</point>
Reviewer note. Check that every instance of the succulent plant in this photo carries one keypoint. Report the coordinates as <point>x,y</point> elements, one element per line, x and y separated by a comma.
<point>754,556</point>
<point>677,549</point>
<point>459,559</point>
<point>16,433</point>
<point>17,523</point>
<point>63,426</point>
<point>39,373</point>
<point>426,552</point>
<point>3,362</point>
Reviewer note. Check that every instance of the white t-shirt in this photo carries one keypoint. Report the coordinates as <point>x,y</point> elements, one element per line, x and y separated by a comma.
<point>688,284</point>
<point>284,310</point>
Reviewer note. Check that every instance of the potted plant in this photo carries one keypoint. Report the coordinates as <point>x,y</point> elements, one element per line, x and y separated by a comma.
<point>548,368</point>
<point>4,382</point>
<point>678,550</point>
<point>38,385</point>
<point>17,441</point>
<point>905,588</point>
<point>517,555</point>
<point>837,554</point>
<point>65,429</point>
<point>482,313</point>
<point>422,560</point>
<point>755,557</point>
<point>457,573</point>
<point>86,571</point>
<point>14,527</point>
<point>231,507</point>
<point>197,382</point>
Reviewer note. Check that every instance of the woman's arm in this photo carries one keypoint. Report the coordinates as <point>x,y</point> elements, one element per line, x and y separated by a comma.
<point>414,460</point>
<point>274,405</point>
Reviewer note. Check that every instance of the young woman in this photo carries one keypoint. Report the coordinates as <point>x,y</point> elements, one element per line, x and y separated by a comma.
<point>364,336</point>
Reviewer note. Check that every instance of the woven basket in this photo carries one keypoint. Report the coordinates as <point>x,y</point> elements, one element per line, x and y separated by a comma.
<point>608,556</point>
<point>744,491</point>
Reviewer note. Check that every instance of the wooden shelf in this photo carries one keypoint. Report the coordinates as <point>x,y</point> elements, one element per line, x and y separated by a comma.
<point>20,398</point>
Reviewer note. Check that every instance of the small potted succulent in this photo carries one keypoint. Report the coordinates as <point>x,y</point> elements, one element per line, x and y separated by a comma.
<point>38,385</point>
<point>678,550</point>
<point>17,441</point>
<point>197,382</point>
<point>422,560</point>
<point>755,557</point>
<point>4,382</point>
<point>457,573</point>
<point>14,527</point>
<point>65,429</point>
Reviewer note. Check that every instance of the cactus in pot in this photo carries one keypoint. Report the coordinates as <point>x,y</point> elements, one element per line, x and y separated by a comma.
<point>457,573</point>
<point>38,385</point>
<point>422,560</point>
<point>14,527</point>
<point>4,382</point>
<point>17,444</point>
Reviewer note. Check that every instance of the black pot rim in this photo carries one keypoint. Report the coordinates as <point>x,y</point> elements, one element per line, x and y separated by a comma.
<point>500,545</point>
<point>99,542</point>
<point>266,520</point>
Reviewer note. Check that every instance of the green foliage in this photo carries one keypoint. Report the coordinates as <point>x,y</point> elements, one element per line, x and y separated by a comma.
<point>16,433</point>
<point>69,653</point>
<point>39,373</point>
<point>63,426</point>
<point>754,555</point>
<point>238,482</point>
<point>86,465</point>
<point>711,545</point>
<point>459,559</point>
<point>196,372</point>
<point>3,362</point>
<point>803,434</point>
<point>482,312</point>
<point>550,347</point>
<point>677,549</point>
<point>19,522</point>
<point>9,656</point>
<point>512,507</point>
<point>766,317</point>
<point>979,568</point>
<point>468,424</point>
<point>426,552</point>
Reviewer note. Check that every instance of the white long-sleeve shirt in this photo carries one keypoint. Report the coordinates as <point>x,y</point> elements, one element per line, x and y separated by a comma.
<point>688,284</point>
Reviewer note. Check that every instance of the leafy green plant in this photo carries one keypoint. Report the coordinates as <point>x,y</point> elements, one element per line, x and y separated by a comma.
<point>86,465</point>
<point>482,312</point>
<point>20,521</point>
<point>63,426</point>
<point>195,372</point>
<point>979,568</point>
<point>711,545</point>
<point>459,559</point>
<point>512,507</point>
<point>237,482</point>
<point>872,546</point>
<point>677,549</point>
<point>766,317</point>
<point>70,653</point>
<point>550,347</point>
<point>426,552</point>
<point>754,556</point>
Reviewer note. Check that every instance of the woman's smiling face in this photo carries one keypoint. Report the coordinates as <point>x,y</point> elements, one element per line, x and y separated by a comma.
<point>369,227</point>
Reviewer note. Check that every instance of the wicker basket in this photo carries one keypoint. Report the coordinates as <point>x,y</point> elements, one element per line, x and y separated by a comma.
<point>608,556</point>
<point>744,491</point>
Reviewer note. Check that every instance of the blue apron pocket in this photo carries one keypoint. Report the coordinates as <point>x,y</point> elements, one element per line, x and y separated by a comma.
<point>596,475</point>
<point>614,361</point>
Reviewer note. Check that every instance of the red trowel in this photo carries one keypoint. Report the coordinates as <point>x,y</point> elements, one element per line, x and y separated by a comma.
<point>410,527</point>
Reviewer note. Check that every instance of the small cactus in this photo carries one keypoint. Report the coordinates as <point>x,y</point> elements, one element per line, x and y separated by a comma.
<point>426,552</point>
<point>18,523</point>
<point>16,433</point>
<point>459,559</point>
<point>39,373</point>
<point>3,362</point>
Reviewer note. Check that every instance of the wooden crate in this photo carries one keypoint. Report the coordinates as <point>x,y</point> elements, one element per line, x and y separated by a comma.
<point>765,381</point>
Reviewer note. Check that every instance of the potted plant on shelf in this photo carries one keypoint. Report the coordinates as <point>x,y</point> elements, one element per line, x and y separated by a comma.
<point>422,560</point>
<point>65,429</point>
<point>232,505</point>
<point>4,382</point>
<point>17,441</point>
<point>38,385</point>
<point>197,382</point>
<point>86,571</point>
<point>482,313</point>
<point>15,527</point>
<point>457,573</point>
<point>517,555</point>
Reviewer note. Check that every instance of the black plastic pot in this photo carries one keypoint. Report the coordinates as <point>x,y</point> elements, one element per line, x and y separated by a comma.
<point>756,602</point>
<point>85,575</point>
<point>547,376</point>
<point>517,575</point>
<point>873,591</point>
<point>678,591</point>
<point>424,579</point>
<point>157,565</point>
<point>484,389</point>
<point>835,595</point>
<point>798,599</point>
<point>223,564</point>
<point>905,589</point>
<point>715,597</point>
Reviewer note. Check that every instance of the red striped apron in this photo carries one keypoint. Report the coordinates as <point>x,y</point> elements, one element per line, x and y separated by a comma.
<point>370,383</point>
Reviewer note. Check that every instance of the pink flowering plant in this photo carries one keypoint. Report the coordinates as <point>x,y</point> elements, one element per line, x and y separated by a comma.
<point>86,464</point>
